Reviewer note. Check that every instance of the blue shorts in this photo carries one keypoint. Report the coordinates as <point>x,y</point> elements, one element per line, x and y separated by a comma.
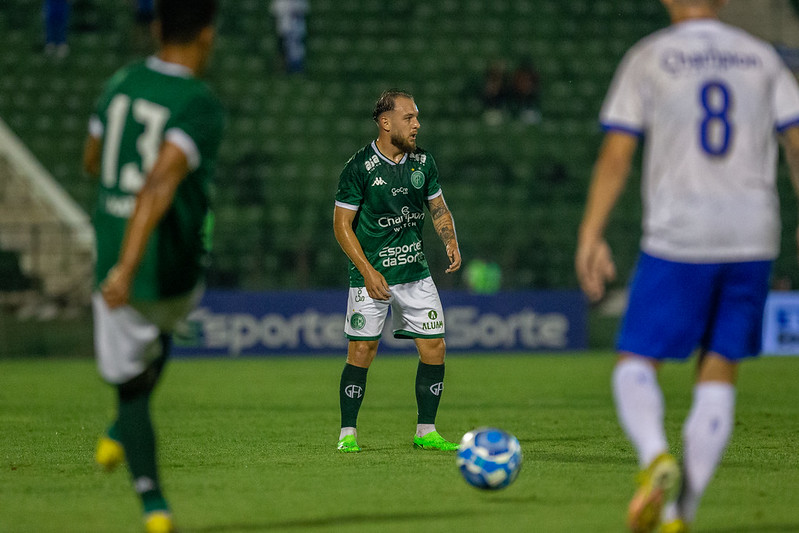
<point>677,307</point>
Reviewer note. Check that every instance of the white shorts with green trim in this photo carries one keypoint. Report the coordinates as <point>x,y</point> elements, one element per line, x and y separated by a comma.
<point>126,339</point>
<point>416,312</point>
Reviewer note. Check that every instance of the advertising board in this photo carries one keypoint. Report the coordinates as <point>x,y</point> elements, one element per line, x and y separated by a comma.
<point>232,323</point>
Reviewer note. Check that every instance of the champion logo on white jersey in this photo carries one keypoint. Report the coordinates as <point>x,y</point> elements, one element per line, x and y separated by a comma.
<point>379,181</point>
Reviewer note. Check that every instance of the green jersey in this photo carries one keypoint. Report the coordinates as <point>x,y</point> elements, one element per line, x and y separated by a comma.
<point>389,199</point>
<point>144,105</point>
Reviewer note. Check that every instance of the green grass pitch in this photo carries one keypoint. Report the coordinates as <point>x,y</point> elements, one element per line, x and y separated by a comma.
<point>249,445</point>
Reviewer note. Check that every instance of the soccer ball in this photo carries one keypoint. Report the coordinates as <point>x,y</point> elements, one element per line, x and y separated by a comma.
<point>489,458</point>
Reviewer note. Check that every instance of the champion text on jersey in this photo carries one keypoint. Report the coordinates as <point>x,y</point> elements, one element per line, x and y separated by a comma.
<point>379,181</point>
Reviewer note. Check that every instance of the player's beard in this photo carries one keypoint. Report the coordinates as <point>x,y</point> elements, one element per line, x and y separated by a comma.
<point>403,143</point>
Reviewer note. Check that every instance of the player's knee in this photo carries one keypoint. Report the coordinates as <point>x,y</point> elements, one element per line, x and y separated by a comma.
<point>714,367</point>
<point>145,382</point>
<point>361,353</point>
<point>142,384</point>
<point>432,351</point>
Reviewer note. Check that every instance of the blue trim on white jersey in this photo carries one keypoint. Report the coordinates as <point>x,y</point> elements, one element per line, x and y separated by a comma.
<point>608,127</point>
<point>787,125</point>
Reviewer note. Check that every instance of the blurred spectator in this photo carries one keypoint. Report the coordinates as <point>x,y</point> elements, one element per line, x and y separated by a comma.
<point>141,39</point>
<point>495,92</point>
<point>525,93</point>
<point>515,94</point>
<point>291,30</point>
<point>145,12</point>
<point>56,22</point>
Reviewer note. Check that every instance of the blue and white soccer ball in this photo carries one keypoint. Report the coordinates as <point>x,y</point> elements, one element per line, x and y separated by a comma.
<point>489,458</point>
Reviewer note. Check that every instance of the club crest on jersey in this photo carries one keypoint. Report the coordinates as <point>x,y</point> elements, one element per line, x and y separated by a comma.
<point>357,321</point>
<point>417,179</point>
<point>380,181</point>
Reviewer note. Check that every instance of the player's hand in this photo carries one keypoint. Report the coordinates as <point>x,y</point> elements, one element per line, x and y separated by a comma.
<point>594,265</point>
<point>376,285</point>
<point>116,287</point>
<point>454,254</point>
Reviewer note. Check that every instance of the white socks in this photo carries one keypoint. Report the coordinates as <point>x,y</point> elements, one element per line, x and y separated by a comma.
<point>421,430</point>
<point>424,429</point>
<point>639,405</point>
<point>706,432</point>
<point>347,431</point>
<point>705,435</point>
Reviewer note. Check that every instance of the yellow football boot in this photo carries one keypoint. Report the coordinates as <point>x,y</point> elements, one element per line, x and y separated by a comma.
<point>159,522</point>
<point>110,453</point>
<point>657,485</point>
<point>675,526</point>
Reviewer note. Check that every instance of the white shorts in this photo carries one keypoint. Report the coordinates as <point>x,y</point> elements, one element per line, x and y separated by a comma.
<point>416,312</point>
<point>127,339</point>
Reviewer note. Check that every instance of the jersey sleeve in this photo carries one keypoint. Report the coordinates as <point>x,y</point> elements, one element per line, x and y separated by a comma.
<point>433,187</point>
<point>623,108</point>
<point>96,127</point>
<point>197,128</point>
<point>98,119</point>
<point>786,100</point>
<point>350,194</point>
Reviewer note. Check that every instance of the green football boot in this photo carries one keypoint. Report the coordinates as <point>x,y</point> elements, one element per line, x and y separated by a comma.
<point>433,441</point>
<point>348,444</point>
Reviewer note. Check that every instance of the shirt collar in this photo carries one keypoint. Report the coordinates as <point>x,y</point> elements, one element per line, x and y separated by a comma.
<point>386,159</point>
<point>170,69</point>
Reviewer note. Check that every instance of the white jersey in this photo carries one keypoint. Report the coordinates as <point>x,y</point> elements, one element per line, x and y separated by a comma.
<point>709,99</point>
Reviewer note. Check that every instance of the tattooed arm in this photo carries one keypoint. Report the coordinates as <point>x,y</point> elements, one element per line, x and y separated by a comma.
<point>445,227</point>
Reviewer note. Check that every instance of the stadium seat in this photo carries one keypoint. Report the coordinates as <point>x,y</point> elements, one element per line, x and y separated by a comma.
<point>288,137</point>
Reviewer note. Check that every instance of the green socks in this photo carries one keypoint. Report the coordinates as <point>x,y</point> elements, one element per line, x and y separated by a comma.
<point>113,431</point>
<point>135,430</point>
<point>351,389</point>
<point>429,385</point>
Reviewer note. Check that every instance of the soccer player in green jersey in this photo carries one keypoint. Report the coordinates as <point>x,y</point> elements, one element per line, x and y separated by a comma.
<point>153,143</point>
<point>378,219</point>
